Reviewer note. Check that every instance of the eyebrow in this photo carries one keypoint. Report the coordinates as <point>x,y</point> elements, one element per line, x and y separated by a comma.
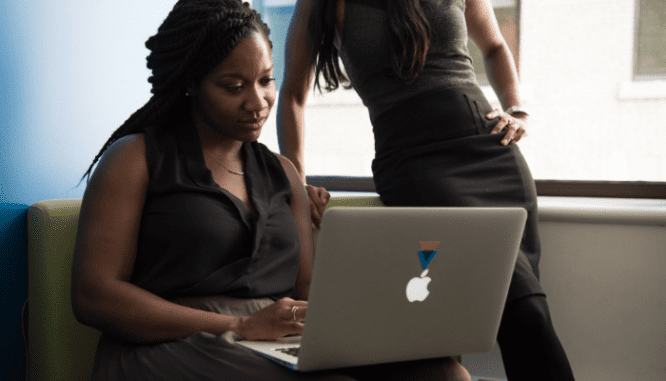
<point>240,76</point>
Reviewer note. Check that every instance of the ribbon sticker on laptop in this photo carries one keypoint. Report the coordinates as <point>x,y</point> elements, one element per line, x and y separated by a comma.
<point>427,251</point>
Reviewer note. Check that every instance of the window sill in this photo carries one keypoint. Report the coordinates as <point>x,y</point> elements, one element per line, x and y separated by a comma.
<point>641,90</point>
<point>628,211</point>
<point>623,211</point>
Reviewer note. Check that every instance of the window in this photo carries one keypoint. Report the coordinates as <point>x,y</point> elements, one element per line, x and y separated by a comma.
<point>588,130</point>
<point>506,12</point>
<point>650,43</point>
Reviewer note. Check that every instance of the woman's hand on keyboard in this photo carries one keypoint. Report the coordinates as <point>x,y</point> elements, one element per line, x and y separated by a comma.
<point>273,322</point>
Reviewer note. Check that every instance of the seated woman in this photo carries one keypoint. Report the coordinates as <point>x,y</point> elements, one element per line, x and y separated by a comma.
<point>192,233</point>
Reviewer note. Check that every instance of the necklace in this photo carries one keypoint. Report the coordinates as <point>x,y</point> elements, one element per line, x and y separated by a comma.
<point>234,172</point>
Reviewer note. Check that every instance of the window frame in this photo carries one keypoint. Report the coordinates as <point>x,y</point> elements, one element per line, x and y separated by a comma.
<point>639,77</point>
<point>558,188</point>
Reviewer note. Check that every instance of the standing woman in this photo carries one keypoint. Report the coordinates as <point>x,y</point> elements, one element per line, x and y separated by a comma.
<point>438,142</point>
<point>192,234</point>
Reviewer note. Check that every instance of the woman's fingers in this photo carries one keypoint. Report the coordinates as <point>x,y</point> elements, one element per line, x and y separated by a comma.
<point>515,127</point>
<point>316,215</point>
<point>298,313</point>
<point>282,318</point>
<point>318,199</point>
<point>520,133</point>
<point>500,124</point>
<point>292,323</point>
<point>511,132</point>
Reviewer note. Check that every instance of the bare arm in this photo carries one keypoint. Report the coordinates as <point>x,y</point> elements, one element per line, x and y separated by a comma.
<point>300,207</point>
<point>298,77</point>
<point>104,256</point>
<point>500,66</point>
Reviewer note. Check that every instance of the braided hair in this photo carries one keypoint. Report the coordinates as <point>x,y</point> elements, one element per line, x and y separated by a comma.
<point>194,38</point>
<point>409,32</point>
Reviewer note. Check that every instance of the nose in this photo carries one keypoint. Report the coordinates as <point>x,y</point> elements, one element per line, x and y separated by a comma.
<point>260,98</point>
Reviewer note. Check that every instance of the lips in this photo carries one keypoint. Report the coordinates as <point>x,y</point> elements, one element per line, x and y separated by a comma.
<point>254,122</point>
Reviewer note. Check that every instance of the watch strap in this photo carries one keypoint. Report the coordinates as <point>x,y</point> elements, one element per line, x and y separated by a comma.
<point>513,109</point>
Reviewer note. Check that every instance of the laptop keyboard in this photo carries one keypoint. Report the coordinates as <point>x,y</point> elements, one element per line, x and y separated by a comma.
<point>290,351</point>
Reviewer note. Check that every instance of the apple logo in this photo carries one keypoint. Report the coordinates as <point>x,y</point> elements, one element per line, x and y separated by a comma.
<point>417,287</point>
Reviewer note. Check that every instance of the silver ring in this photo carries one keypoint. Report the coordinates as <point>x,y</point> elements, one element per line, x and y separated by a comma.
<point>293,311</point>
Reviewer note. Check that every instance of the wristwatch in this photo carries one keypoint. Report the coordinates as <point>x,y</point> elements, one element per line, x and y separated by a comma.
<point>513,109</point>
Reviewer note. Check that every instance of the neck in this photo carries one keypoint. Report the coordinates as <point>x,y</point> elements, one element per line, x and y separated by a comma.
<point>213,137</point>
<point>219,151</point>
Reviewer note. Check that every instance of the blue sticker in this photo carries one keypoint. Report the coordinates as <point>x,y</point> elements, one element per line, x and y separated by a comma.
<point>426,256</point>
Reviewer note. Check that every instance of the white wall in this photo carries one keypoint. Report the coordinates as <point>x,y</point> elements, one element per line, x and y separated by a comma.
<point>603,269</point>
<point>576,56</point>
<point>606,288</point>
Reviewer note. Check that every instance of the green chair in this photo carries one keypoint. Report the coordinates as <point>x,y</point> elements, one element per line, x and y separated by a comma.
<point>58,347</point>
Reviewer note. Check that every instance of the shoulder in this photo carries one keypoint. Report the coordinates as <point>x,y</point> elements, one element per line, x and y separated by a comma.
<point>289,170</point>
<point>288,166</point>
<point>297,186</point>
<point>130,149</point>
<point>299,195</point>
<point>272,158</point>
<point>123,163</point>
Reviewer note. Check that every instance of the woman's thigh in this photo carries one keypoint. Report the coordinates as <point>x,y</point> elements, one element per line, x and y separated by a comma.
<point>201,356</point>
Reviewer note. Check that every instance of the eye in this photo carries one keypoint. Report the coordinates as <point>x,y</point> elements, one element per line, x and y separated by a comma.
<point>267,81</point>
<point>234,88</point>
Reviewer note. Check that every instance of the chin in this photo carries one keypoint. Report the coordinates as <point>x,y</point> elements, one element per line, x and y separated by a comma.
<point>250,137</point>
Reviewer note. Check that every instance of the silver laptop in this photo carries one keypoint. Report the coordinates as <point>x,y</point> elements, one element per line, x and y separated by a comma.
<point>399,284</point>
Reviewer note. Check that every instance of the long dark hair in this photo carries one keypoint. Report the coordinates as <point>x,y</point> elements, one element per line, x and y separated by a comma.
<point>194,38</point>
<point>410,41</point>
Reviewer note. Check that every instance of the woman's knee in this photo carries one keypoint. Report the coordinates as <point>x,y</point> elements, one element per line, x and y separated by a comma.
<point>454,371</point>
<point>529,314</point>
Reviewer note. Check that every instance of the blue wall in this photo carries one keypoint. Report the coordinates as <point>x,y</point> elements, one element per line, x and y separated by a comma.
<point>71,71</point>
<point>13,287</point>
<point>277,14</point>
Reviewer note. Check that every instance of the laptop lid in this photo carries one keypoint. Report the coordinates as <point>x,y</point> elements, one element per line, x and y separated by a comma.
<point>398,284</point>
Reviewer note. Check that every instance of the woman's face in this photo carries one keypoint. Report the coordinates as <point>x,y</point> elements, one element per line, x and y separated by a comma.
<point>238,94</point>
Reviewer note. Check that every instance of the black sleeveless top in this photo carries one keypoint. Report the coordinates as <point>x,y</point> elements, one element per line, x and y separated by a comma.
<point>365,50</point>
<point>198,239</point>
